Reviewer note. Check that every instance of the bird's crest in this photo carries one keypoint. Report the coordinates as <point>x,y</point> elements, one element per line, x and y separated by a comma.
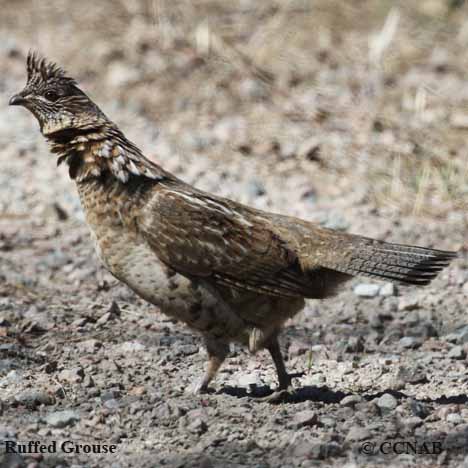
<point>39,69</point>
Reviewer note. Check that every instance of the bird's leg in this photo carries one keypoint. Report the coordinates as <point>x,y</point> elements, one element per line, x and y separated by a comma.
<point>284,379</point>
<point>217,352</point>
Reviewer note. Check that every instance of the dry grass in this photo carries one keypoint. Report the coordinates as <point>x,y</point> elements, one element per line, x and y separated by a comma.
<point>377,81</point>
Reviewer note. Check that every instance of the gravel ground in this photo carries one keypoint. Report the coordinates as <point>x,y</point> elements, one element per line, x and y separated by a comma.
<point>354,120</point>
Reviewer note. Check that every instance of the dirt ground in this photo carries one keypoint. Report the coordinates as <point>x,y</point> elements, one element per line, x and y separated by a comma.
<point>350,114</point>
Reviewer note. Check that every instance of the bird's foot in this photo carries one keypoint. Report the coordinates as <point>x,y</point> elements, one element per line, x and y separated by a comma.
<point>198,388</point>
<point>285,390</point>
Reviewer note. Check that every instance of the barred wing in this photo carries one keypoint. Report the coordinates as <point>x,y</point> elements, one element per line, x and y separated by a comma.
<point>203,236</point>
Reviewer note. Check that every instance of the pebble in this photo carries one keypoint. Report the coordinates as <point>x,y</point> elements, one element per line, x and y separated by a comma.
<point>387,403</point>
<point>388,289</point>
<point>72,376</point>
<point>186,350</point>
<point>357,433</point>
<point>410,342</point>
<point>110,394</point>
<point>247,380</point>
<point>351,400</point>
<point>366,290</point>
<point>336,222</point>
<point>197,422</point>
<point>304,418</point>
<point>411,374</point>
<point>34,398</point>
<point>89,346</point>
<point>460,336</point>
<point>420,409</point>
<point>112,403</point>
<point>328,421</point>
<point>455,418</point>
<point>61,419</point>
<point>457,352</point>
<point>412,422</point>
<point>131,347</point>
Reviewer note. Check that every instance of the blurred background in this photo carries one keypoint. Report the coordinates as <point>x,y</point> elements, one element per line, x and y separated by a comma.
<point>366,100</point>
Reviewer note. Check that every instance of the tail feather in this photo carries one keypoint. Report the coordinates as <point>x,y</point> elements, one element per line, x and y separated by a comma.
<point>395,262</point>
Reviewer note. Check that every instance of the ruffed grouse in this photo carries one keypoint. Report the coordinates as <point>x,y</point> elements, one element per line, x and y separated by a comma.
<point>229,271</point>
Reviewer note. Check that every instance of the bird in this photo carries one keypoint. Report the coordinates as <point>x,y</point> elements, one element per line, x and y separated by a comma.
<point>232,273</point>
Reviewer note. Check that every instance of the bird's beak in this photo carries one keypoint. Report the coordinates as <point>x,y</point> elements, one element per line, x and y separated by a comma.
<point>17,100</point>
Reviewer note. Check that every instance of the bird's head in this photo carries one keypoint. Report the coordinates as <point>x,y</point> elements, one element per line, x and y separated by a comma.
<point>55,99</point>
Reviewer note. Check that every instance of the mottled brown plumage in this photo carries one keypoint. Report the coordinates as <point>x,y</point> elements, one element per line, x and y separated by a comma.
<point>231,272</point>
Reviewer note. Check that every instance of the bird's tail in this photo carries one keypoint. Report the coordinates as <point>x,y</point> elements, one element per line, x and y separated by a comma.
<point>356,255</point>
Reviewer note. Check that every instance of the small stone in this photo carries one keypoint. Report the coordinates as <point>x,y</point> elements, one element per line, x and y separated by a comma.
<point>89,346</point>
<point>197,422</point>
<point>34,398</point>
<point>366,290</point>
<point>80,322</point>
<point>104,318</point>
<point>304,418</point>
<point>460,336</point>
<point>411,374</point>
<point>419,409</point>
<point>457,352</point>
<point>137,391</point>
<point>61,419</point>
<point>465,288</point>
<point>336,222</point>
<point>110,394</point>
<point>410,342</point>
<point>111,403</point>
<point>387,403</point>
<point>350,400</point>
<point>248,380</point>
<point>388,289</point>
<point>186,350</point>
<point>454,418</point>
<point>72,376</point>
<point>131,347</point>
<point>88,382</point>
<point>412,422</point>
<point>328,421</point>
<point>357,433</point>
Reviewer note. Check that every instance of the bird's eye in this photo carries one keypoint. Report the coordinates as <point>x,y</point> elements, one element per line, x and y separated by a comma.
<point>51,95</point>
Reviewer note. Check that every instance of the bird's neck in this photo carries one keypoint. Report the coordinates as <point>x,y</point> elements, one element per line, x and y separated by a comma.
<point>98,150</point>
